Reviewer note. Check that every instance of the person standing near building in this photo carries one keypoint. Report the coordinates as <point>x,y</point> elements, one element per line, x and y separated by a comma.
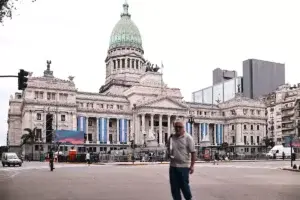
<point>180,146</point>
<point>88,157</point>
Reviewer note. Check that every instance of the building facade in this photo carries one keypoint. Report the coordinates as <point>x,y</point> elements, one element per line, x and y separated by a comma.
<point>133,105</point>
<point>282,112</point>
<point>262,77</point>
<point>219,93</point>
<point>221,75</point>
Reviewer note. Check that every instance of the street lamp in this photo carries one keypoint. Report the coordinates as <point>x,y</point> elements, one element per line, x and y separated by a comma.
<point>291,145</point>
<point>145,140</point>
<point>191,121</point>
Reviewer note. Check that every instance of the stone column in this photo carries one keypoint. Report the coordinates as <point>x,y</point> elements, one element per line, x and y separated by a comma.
<point>136,129</point>
<point>238,137</point>
<point>107,127</point>
<point>152,122</point>
<point>86,129</point>
<point>215,134</point>
<point>97,131</point>
<point>44,132</point>
<point>160,129</point>
<point>128,130</point>
<point>143,124</point>
<point>118,131</point>
<point>169,126</point>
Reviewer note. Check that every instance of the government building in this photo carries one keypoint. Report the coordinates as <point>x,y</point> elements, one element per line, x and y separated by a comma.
<point>134,104</point>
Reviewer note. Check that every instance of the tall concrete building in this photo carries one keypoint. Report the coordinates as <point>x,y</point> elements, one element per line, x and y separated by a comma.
<point>221,75</point>
<point>261,77</point>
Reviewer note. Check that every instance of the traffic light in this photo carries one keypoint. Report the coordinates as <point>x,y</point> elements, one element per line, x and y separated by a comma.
<point>22,79</point>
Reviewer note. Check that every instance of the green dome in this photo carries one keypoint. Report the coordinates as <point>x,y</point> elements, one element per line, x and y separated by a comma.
<point>125,33</point>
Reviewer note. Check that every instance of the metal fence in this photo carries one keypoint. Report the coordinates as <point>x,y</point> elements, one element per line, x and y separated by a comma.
<point>138,156</point>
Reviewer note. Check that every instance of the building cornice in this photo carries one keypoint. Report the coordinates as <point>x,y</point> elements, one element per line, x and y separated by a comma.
<point>49,103</point>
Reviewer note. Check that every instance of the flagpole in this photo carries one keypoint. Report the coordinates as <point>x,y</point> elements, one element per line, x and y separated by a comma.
<point>162,67</point>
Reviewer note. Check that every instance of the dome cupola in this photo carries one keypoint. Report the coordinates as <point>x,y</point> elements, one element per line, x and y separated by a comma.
<point>125,33</point>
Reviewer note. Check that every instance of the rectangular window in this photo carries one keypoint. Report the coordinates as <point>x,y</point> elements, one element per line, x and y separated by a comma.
<point>245,139</point>
<point>48,96</point>
<point>90,122</point>
<point>257,140</point>
<point>38,134</point>
<point>245,126</point>
<point>257,127</point>
<point>39,116</point>
<point>90,137</point>
<point>63,118</point>
<point>36,95</point>
<point>251,127</point>
<point>232,127</point>
<point>53,96</point>
<point>251,139</point>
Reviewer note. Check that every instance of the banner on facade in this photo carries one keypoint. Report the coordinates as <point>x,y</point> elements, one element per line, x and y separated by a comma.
<point>69,137</point>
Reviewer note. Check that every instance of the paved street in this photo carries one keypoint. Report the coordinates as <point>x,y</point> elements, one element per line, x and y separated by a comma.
<point>236,181</point>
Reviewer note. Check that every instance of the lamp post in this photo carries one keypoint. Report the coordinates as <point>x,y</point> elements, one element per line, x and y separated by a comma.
<point>291,145</point>
<point>145,140</point>
<point>191,121</point>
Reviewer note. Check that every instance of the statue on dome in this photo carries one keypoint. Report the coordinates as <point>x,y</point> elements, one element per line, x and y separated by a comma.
<point>48,64</point>
<point>71,78</point>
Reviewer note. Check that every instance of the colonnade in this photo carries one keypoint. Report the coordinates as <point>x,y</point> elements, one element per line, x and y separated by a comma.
<point>126,63</point>
<point>102,129</point>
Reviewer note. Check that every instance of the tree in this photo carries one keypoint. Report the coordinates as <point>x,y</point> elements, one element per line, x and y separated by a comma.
<point>224,146</point>
<point>7,7</point>
<point>269,142</point>
<point>29,137</point>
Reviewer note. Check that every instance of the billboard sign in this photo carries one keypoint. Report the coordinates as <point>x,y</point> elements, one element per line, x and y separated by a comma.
<point>69,137</point>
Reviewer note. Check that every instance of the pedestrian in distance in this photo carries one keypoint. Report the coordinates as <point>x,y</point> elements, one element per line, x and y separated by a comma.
<point>88,158</point>
<point>181,150</point>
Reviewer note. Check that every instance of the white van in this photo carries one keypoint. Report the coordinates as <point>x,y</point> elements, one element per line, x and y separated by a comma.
<point>10,159</point>
<point>278,151</point>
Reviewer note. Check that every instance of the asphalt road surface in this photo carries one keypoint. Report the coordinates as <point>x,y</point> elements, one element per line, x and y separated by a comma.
<point>230,181</point>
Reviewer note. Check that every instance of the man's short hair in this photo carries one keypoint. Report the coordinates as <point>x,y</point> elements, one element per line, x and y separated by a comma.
<point>178,120</point>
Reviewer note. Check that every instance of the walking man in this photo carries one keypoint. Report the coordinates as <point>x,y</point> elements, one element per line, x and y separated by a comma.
<point>180,146</point>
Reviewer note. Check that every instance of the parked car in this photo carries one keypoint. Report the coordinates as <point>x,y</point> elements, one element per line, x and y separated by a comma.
<point>11,159</point>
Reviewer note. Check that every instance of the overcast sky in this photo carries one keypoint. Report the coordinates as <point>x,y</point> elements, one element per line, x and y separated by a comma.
<point>191,37</point>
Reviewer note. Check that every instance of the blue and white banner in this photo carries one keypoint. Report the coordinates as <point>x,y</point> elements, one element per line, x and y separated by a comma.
<point>204,132</point>
<point>81,124</point>
<point>102,130</point>
<point>219,134</point>
<point>188,128</point>
<point>123,130</point>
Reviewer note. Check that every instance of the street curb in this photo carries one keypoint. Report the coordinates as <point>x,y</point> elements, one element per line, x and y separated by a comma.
<point>291,170</point>
<point>132,164</point>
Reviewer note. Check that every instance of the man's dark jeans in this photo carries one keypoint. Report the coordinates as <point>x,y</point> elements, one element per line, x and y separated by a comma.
<point>179,180</point>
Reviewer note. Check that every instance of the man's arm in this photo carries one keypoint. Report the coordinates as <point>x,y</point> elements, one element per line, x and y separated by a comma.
<point>192,150</point>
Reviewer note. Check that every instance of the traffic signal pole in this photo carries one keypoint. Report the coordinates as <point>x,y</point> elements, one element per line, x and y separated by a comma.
<point>9,76</point>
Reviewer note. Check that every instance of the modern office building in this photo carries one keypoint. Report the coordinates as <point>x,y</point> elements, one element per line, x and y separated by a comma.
<point>262,77</point>
<point>220,92</point>
<point>221,75</point>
